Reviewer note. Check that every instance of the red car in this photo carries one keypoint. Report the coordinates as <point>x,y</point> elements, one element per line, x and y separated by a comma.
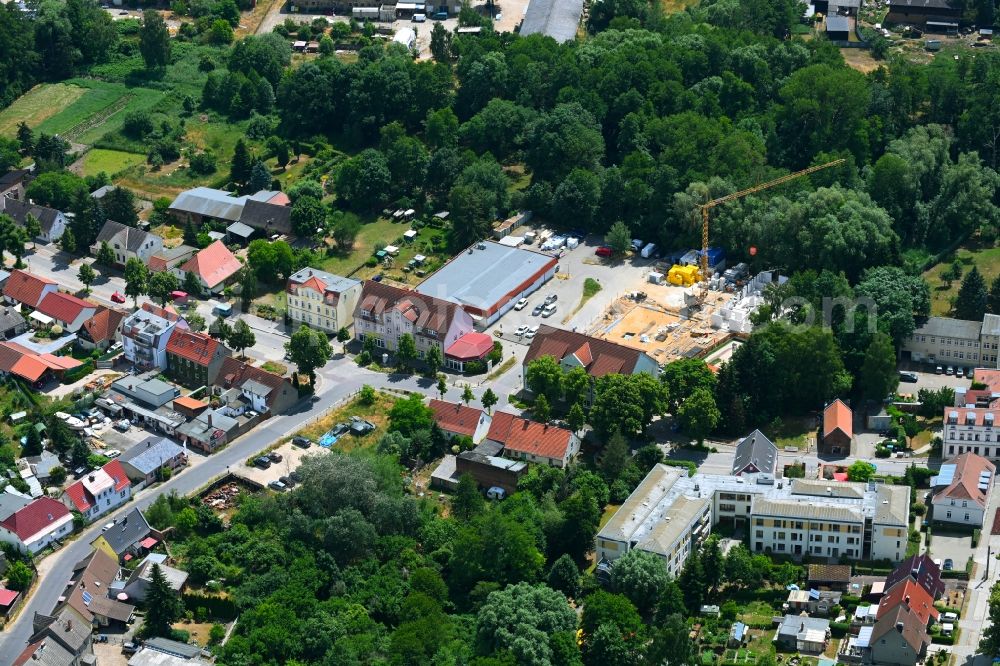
<point>603,251</point>
<point>117,298</point>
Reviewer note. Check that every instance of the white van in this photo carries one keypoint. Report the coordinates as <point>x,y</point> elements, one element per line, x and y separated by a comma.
<point>419,18</point>
<point>496,493</point>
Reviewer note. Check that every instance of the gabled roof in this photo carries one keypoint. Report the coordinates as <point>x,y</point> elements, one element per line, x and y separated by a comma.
<point>838,416</point>
<point>524,436</point>
<point>64,307</point>
<point>424,312</point>
<point>455,417</point>
<point>907,592</point>
<point>104,324</point>
<point>20,210</point>
<point>81,493</point>
<point>598,357</point>
<point>130,238</point>
<point>920,568</point>
<point>44,653</point>
<point>10,318</point>
<point>25,287</point>
<point>195,347</point>
<point>321,282</point>
<point>970,478</point>
<point>14,177</point>
<point>149,454</point>
<point>757,450</point>
<point>35,517</point>
<point>267,216</point>
<point>209,202</point>
<point>89,597</point>
<point>27,364</point>
<point>904,621</point>
<point>214,264</point>
<point>127,532</point>
<point>234,373</point>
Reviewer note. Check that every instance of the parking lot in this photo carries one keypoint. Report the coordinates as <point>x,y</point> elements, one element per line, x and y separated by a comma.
<point>113,438</point>
<point>291,458</point>
<point>928,379</point>
<point>955,546</point>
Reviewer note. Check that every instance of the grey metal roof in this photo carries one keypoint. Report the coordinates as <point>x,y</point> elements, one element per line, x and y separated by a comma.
<point>172,647</point>
<point>334,283</point>
<point>837,24</point>
<point>484,274</point>
<point>256,388</point>
<point>128,531</point>
<point>149,454</point>
<point>210,202</point>
<point>991,325</point>
<point>558,19</point>
<point>758,450</point>
<point>950,328</point>
<point>793,624</point>
<point>10,318</point>
<point>240,229</point>
<point>11,503</point>
<point>100,192</point>
<point>806,510</point>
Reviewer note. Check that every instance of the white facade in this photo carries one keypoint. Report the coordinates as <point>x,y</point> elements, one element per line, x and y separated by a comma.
<point>388,327</point>
<point>971,429</point>
<point>145,336</point>
<point>58,530</point>
<point>958,511</point>
<point>322,301</point>
<point>99,490</point>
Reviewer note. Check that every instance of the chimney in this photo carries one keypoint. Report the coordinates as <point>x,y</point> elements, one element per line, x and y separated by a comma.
<point>907,600</point>
<point>210,419</point>
<point>899,627</point>
<point>91,477</point>
<point>69,625</point>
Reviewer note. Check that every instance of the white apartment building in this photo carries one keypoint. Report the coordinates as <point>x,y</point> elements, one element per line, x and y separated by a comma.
<point>961,490</point>
<point>669,513</point>
<point>957,342</point>
<point>321,300</point>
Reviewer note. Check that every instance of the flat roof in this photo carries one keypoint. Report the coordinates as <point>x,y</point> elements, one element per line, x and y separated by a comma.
<point>950,328</point>
<point>837,24</point>
<point>486,273</point>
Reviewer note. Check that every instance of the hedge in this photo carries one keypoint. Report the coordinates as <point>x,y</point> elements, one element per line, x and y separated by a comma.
<point>686,464</point>
<point>941,639</point>
<point>975,537</point>
<point>839,629</point>
<point>958,575</point>
<point>78,373</point>
<point>220,608</point>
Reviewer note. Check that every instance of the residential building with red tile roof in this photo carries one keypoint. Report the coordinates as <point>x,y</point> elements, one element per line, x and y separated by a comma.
<point>31,366</point>
<point>322,300</point>
<point>598,357</point>
<point>37,525</point>
<point>102,330</point>
<point>961,490</point>
<point>838,429</point>
<point>910,593</point>
<point>458,419</point>
<point>67,310</point>
<point>146,332</point>
<point>214,266</point>
<point>535,442</point>
<point>100,491</point>
<point>387,312</point>
<point>27,289</point>
<point>898,638</point>
<point>194,359</point>
<point>473,346</point>
<point>922,570</point>
<point>266,392</point>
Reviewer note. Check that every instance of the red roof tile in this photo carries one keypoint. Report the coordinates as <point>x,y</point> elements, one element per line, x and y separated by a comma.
<point>598,357</point>
<point>65,308</point>
<point>524,436</point>
<point>195,347</point>
<point>456,418</point>
<point>117,472</point>
<point>7,597</point>
<point>81,497</point>
<point>965,482</point>
<point>235,372</point>
<point>426,312</point>
<point>35,517</point>
<point>471,346</point>
<point>837,415</point>
<point>26,288</point>
<point>911,594</point>
<point>214,264</point>
<point>23,362</point>
<point>104,324</point>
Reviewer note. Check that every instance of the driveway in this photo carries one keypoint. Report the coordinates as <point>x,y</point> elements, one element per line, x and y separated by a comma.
<point>950,545</point>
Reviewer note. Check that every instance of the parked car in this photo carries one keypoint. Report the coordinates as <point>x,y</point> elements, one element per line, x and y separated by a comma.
<point>340,429</point>
<point>949,564</point>
<point>287,480</point>
<point>549,310</point>
<point>107,526</point>
<point>538,309</point>
<point>263,462</point>
<point>908,377</point>
<point>129,648</point>
<point>123,425</point>
<point>938,370</point>
<point>521,330</point>
<point>551,298</point>
<point>521,304</point>
<point>496,493</point>
<point>949,370</point>
<point>277,485</point>
<point>970,373</point>
<point>275,456</point>
<point>295,476</point>
<point>604,251</point>
<point>112,453</point>
<point>637,244</point>
<point>304,442</point>
<point>532,330</point>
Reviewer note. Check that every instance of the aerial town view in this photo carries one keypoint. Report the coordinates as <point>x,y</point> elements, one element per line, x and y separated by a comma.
<point>499,333</point>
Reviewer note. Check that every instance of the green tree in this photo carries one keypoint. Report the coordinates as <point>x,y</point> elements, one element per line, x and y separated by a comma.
<point>308,215</point>
<point>406,351</point>
<point>260,177</point>
<point>154,40</point>
<point>440,43</point>
<point>19,576</point>
<point>564,576</point>
<point>544,376</point>
<point>136,279</point>
<point>308,349</point>
<point>541,411</point>
<point>521,619</point>
<point>86,275</point>
<point>220,329</point>
<point>242,336</point>
<point>627,403</point>
<point>619,238</point>
<point>68,242</point>
<point>410,415</point>
<point>614,458</point>
<point>576,386</point>
<point>698,414</point>
<point>972,299</point>
<point>33,443</point>
<point>681,378</point>
<point>899,299</point>
<point>642,577</point>
<point>860,471</point>
<point>119,205</point>
<point>161,285</point>
<point>32,227</point>
<point>468,501</point>
<point>442,387</point>
<point>581,519</point>
<point>467,395</point>
<point>693,583</point>
<point>879,377</point>
<point>433,360</point>
<point>26,139</point>
<point>163,605</point>
<point>993,304</point>
<point>575,418</point>
<point>488,400</point>
<point>989,643</point>
<point>343,337</point>
<point>671,644</point>
<point>713,562</point>
<point>604,608</point>
<point>242,162</point>
<point>344,229</point>
<point>195,321</point>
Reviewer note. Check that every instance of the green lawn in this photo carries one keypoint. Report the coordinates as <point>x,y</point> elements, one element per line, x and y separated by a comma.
<point>987,260</point>
<point>110,162</point>
<point>388,233</point>
<point>792,431</point>
<point>37,105</point>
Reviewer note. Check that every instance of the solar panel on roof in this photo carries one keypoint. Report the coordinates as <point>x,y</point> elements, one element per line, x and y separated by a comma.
<point>946,475</point>
<point>87,597</point>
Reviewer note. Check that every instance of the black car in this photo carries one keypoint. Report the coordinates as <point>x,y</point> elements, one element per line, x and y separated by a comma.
<point>908,377</point>
<point>263,462</point>
<point>304,442</point>
<point>275,456</point>
<point>948,565</point>
<point>287,480</point>
<point>295,476</point>
<point>340,429</point>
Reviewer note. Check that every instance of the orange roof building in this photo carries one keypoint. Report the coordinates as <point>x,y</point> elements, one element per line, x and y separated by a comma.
<point>535,442</point>
<point>961,490</point>
<point>215,266</point>
<point>28,289</point>
<point>911,594</point>
<point>101,330</point>
<point>838,429</point>
<point>22,362</point>
<point>457,419</point>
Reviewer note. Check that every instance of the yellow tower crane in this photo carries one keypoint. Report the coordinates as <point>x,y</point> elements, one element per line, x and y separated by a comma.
<point>739,195</point>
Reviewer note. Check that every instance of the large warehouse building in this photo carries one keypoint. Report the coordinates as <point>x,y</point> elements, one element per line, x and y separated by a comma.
<point>489,278</point>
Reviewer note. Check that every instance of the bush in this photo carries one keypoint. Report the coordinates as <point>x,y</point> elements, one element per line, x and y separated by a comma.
<point>839,629</point>
<point>976,533</point>
<point>475,368</point>
<point>371,262</point>
<point>686,464</point>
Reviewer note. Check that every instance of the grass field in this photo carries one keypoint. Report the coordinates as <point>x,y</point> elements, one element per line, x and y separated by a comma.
<point>987,260</point>
<point>387,232</point>
<point>110,162</point>
<point>37,105</point>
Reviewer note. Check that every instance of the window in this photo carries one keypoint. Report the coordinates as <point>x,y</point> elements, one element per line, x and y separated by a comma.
<point>760,534</point>
<point>966,517</point>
